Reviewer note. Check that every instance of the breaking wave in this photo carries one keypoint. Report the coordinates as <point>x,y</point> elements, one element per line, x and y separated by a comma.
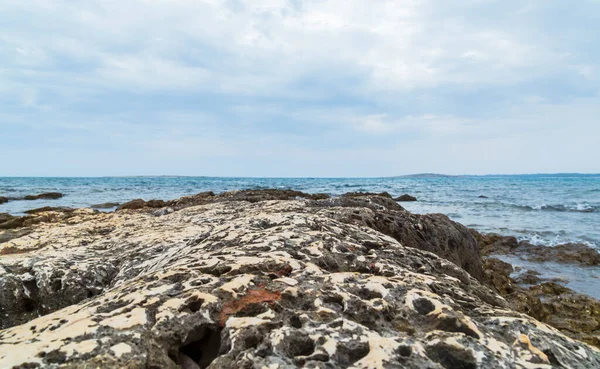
<point>572,208</point>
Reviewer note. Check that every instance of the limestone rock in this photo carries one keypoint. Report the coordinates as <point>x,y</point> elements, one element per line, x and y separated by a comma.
<point>431,232</point>
<point>237,284</point>
<point>575,314</point>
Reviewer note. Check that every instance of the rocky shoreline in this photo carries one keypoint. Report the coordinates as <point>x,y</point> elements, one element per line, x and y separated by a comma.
<point>281,279</point>
<point>41,196</point>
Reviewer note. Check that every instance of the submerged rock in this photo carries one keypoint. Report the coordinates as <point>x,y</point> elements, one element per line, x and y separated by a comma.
<point>240,284</point>
<point>569,253</point>
<point>529,277</point>
<point>575,314</point>
<point>44,196</point>
<point>406,197</point>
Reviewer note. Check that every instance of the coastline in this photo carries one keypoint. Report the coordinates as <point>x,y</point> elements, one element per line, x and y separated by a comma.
<point>547,210</point>
<point>107,248</point>
<point>568,274</point>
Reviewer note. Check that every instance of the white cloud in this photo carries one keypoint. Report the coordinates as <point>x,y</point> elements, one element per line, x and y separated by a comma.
<point>398,44</point>
<point>329,74</point>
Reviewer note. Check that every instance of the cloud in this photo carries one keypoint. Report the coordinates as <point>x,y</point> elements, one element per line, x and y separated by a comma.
<point>279,80</point>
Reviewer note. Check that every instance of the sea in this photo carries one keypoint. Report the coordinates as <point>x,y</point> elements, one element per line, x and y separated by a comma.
<point>544,209</point>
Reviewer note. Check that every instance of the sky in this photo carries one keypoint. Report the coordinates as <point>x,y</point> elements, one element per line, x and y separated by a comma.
<point>293,88</point>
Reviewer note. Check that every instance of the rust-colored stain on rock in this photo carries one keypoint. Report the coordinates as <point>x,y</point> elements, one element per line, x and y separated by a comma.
<point>253,297</point>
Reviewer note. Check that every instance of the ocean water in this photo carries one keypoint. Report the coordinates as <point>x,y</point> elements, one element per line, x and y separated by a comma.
<point>544,209</point>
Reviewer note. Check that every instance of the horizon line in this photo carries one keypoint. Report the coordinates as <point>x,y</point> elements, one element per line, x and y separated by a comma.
<point>413,175</point>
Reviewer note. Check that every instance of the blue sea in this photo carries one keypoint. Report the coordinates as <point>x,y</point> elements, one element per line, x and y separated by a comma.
<point>543,209</point>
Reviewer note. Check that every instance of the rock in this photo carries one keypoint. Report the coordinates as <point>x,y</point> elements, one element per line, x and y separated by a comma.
<point>544,300</point>
<point>497,275</point>
<point>49,208</point>
<point>569,311</point>
<point>570,253</point>
<point>3,199</point>
<point>406,197</point>
<point>7,235</point>
<point>210,197</point>
<point>368,194</point>
<point>4,217</point>
<point>574,314</point>
<point>140,204</point>
<point>201,198</point>
<point>163,211</point>
<point>44,196</point>
<point>435,232</point>
<point>133,205</point>
<point>106,205</point>
<point>529,277</point>
<point>319,196</point>
<point>267,195</point>
<point>430,232</point>
<point>373,202</point>
<point>10,222</point>
<point>155,204</point>
<point>36,216</point>
<point>495,244</point>
<point>238,284</point>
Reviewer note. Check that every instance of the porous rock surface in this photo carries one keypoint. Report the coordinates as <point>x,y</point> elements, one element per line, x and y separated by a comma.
<point>238,284</point>
<point>431,232</point>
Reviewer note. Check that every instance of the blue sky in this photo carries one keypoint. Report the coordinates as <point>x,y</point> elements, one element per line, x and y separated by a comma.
<point>299,88</point>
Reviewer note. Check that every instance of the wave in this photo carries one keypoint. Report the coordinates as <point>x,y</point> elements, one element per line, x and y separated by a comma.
<point>576,208</point>
<point>547,238</point>
<point>536,239</point>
